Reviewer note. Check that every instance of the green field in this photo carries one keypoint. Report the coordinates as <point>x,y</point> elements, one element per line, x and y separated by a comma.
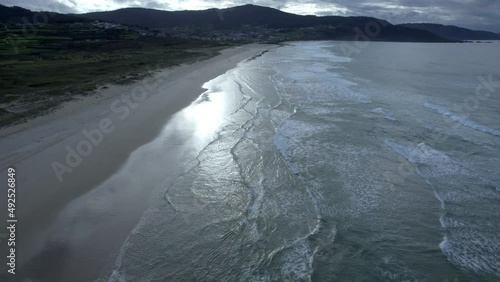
<point>42,67</point>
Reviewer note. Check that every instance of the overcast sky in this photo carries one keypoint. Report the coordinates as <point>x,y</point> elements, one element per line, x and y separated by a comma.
<point>476,14</point>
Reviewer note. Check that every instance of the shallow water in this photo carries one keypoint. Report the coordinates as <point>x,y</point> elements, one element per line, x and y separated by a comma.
<point>308,165</point>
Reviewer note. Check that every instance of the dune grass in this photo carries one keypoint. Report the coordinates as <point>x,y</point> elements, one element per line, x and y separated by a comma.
<point>40,71</point>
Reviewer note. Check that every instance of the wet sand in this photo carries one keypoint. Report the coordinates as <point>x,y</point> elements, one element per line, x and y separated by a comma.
<point>71,224</point>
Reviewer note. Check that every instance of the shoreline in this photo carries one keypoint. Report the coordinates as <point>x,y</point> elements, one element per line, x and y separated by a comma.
<point>51,251</point>
<point>91,98</point>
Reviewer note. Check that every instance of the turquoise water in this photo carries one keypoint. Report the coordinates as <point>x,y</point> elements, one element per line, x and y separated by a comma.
<point>314,166</point>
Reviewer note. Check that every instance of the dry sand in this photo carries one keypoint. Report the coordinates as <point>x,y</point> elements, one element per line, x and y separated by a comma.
<point>71,226</point>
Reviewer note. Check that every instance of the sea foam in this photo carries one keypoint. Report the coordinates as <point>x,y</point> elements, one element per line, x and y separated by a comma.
<point>461,119</point>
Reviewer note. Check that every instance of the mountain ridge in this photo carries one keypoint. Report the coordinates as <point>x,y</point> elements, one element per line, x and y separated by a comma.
<point>245,14</point>
<point>252,19</point>
<point>454,32</point>
<point>19,15</point>
<point>326,27</point>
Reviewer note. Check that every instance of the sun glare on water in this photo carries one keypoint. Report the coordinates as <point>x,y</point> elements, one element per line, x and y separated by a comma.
<point>207,114</point>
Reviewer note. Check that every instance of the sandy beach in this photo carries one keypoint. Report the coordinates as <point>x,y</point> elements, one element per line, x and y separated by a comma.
<point>72,222</point>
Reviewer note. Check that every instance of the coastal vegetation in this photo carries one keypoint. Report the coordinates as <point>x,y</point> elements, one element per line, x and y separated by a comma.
<point>43,65</point>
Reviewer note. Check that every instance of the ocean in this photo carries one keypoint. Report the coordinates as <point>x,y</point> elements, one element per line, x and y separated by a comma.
<point>311,163</point>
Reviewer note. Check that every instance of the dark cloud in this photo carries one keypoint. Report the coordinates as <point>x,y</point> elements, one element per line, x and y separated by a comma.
<point>467,13</point>
<point>483,14</point>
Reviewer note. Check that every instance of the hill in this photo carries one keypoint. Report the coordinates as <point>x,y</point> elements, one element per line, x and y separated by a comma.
<point>49,58</point>
<point>454,32</point>
<point>323,28</point>
<point>18,15</point>
<point>219,18</point>
<point>262,24</point>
